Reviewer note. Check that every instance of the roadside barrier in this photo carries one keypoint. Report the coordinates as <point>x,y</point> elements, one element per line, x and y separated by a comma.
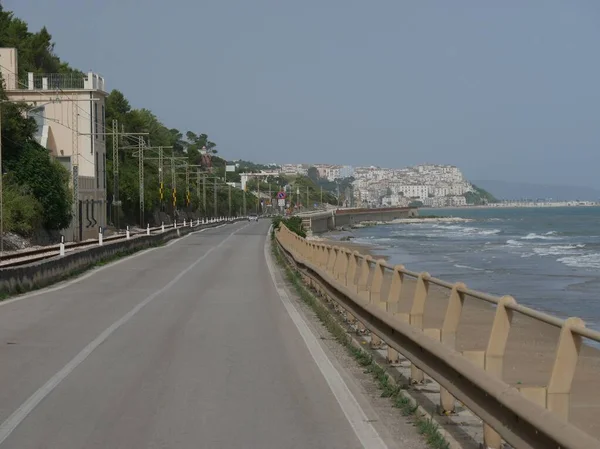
<point>391,303</point>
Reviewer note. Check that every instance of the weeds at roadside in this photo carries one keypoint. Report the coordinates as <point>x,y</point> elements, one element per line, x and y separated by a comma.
<point>425,426</point>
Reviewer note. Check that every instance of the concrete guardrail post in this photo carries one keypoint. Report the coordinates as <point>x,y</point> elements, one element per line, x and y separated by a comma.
<point>563,370</point>
<point>191,223</point>
<point>333,256</point>
<point>100,236</point>
<point>363,280</point>
<point>416,318</point>
<point>392,306</point>
<point>148,229</point>
<point>162,227</point>
<point>448,338</point>
<point>494,358</point>
<point>127,233</point>
<point>375,296</point>
<point>362,287</point>
<point>175,223</point>
<point>352,267</point>
<point>62,245</point>
<point>342,276</point>
<point>184,223</point>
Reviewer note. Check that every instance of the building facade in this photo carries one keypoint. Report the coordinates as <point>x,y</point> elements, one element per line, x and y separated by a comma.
<point>70,112</point>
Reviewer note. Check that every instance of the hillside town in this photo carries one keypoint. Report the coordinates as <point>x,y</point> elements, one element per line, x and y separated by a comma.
<point>428,184</point>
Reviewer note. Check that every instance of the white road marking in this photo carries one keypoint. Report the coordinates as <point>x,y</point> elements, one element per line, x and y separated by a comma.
<point>11,423</point>
<point>99,269</point>
<point>355,415</point>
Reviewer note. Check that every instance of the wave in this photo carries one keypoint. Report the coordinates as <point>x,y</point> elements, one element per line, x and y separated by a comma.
<point>582,261</point>
<point>546,236</point>
<point>468,267</point>
<point>512,242</point>
<point>468,230</point>
<point>557,250</point>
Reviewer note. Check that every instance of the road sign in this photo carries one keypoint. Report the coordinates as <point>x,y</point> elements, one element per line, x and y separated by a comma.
<point>281,196</point>
<point>281,202</point>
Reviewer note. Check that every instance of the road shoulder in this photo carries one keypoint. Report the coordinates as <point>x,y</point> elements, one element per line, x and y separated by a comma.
<point>394,429</point>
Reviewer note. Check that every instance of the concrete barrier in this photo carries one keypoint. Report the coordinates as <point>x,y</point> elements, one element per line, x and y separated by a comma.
<point>20,279</point>
<point>323,221</point>
<point>394,304</point>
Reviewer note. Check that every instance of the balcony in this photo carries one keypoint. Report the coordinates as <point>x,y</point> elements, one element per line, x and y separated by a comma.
<point>55,81</point>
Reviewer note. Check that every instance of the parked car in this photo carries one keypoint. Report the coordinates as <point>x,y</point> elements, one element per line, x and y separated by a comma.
<point>252,217</point>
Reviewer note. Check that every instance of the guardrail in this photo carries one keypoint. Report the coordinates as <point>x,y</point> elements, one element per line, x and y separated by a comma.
<point>25,257</point>
<point>41,271</point>
<point>379,297</point>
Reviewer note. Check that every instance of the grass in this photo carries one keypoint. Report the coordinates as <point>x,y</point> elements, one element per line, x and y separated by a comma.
<point>389,389</point>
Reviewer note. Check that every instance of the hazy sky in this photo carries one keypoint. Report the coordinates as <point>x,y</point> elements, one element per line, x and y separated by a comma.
<point>504,89</point>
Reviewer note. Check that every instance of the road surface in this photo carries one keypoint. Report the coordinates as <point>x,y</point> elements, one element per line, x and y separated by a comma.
<point>185,346</point>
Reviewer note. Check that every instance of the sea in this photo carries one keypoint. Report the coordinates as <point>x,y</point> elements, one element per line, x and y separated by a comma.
<point>547,258</point>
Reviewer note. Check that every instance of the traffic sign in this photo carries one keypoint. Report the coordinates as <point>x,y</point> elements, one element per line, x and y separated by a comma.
<point>281,196</point>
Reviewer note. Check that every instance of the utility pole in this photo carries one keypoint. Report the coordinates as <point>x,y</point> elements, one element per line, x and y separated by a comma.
<point>161,177</point>
<point>1,190</point>
<point>75,171</point>
<point>230,201</point>
<point>115,144</point>
<point>258,202</point>
<point>141,178</point>
<point>198,185</point>
<point>307,198</point>
<point>173,184</point>
<point>244,196</point>
<point>204,195</point>
<point>187,186</point>
<point>215,194</point>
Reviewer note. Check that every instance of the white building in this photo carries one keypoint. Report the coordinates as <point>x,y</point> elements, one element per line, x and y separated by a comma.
<point>69,110</point>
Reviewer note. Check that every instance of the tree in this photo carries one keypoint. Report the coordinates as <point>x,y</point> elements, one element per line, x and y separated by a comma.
<point>313,174</point>
<point>47,181</point>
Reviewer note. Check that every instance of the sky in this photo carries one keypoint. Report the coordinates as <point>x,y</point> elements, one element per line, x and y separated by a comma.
<point>505,90</point>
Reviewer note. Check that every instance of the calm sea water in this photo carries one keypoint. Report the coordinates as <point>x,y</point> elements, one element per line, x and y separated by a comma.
<point>546,258</point>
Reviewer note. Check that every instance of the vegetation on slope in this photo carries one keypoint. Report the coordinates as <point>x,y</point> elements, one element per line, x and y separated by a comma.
<point>479,197</point>
<point>35,187</point>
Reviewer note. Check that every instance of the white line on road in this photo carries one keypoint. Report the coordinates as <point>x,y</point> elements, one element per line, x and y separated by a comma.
<point>11,423</point>
<point>355,415</point>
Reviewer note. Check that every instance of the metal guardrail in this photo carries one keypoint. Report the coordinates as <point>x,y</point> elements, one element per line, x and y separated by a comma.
<point>529,417</point>
<point>25,257</point>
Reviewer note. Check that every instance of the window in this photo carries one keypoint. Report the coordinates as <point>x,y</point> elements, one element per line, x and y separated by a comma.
<point>97,172</point>
<point>103,125</point>
<point>96,119</point>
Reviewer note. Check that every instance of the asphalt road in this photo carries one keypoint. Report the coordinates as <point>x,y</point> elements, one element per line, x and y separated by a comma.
<point>186,346</point>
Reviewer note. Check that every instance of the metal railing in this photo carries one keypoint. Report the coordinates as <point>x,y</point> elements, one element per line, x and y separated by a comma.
<point>391,303</point>
<point>55,81</point>
<point>25,257</point>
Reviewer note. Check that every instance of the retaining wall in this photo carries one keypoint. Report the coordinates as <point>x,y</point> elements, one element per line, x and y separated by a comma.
<point>329,221</point>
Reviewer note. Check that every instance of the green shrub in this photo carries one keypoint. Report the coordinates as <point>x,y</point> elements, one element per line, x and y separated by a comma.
<point>47,181</point>
<point>294,224</point>
<point>23,214</point>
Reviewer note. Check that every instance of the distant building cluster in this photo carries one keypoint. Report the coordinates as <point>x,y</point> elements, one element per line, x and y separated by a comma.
<point>325,171</point>
<point>431,184</point>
